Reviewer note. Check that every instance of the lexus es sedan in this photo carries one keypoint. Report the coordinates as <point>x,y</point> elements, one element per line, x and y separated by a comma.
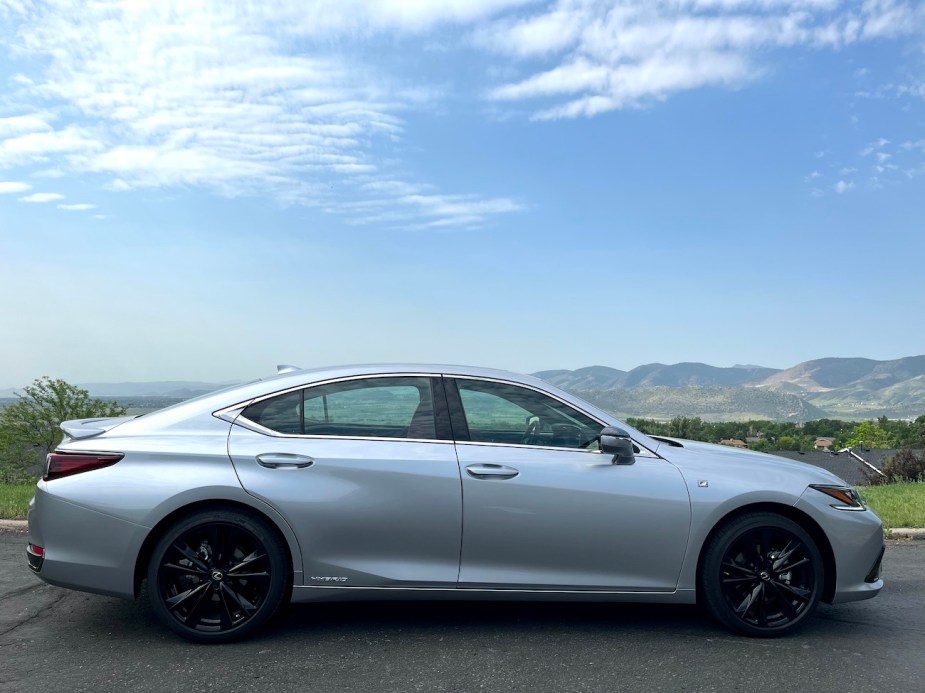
<point>435,482</point>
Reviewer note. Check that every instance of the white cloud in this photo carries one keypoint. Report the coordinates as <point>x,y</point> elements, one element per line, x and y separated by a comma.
<point>842,187</point>
<point>240,98</point>
<point>42,197</point>
<point>612,54</point>
<point>9,187</point>
<point>77,207</point>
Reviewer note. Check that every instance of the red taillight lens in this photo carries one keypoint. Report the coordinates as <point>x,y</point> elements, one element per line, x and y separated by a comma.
<point>61,464</point>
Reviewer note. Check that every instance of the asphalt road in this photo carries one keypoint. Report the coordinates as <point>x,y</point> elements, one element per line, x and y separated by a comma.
<point>57,640</point>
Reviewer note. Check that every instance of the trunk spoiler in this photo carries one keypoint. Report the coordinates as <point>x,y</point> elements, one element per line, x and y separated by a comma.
<point>87,428</point>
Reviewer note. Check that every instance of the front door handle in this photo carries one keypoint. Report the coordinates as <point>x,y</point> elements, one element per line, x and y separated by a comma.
<point>284,460</point>
<point>491,471</point>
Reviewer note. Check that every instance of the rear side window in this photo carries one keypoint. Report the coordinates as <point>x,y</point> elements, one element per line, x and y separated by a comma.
<point>401,407</point>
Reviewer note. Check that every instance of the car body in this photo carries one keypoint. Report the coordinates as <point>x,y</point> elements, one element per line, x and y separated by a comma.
<point>435,482</point>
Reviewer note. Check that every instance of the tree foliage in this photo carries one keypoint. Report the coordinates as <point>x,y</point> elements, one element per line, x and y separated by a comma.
<point>782,435</point>
<point>29,428</point>
<point>870,435</point>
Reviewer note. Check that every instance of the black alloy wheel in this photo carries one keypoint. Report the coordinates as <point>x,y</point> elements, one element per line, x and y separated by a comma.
<point>762,575</point>
<point>217,575</point>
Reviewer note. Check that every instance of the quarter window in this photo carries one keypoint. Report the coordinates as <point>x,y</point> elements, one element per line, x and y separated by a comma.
<point>400,407</point>
<point>501,413</point>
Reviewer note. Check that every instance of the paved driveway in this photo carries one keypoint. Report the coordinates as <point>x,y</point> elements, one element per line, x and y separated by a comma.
<point>56,640</point>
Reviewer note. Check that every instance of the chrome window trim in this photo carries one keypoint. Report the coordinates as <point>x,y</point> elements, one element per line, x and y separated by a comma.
<point>643,451</point>
<point>225,411</point>
<point>232,413</point>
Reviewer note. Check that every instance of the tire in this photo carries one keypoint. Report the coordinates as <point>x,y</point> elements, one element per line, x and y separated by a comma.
<point>761,575</point>
<point>217,576</point>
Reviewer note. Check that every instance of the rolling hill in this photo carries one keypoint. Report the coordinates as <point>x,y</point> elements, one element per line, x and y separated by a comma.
<point>847,388</point>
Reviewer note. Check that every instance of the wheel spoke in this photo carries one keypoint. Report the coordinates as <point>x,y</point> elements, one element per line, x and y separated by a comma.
<point>197,607</point>
<point>177,600</point>
<point>248,576</point>
<point>225,615</point>
<point>749,601</point>
<point>254,556</point>
<point>192,570</point>
<point>788,609</point>
<point>791,566</point>
<point>780,563</point>
<point>802,594</point>
<point>239,599</point>
<point>738,580</point>
<point>732,565</point>
<point>191,556</point>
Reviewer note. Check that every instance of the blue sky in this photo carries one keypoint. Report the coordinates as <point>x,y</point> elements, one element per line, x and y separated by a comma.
<point>201,190</point>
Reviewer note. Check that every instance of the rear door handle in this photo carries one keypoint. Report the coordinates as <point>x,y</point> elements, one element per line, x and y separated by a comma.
<point>284,460</point>
<point>491,471</point>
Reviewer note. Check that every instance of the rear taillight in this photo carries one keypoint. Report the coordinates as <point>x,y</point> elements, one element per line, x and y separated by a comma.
<point>61,464</point>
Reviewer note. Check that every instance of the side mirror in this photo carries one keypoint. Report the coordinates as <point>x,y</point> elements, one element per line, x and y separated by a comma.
<point>617,442</point>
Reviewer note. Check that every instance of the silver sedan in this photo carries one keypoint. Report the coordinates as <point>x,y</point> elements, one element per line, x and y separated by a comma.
<point>435,482</point>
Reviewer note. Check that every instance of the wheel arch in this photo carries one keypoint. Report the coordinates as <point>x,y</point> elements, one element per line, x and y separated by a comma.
<point>809,525</point>
<point>158,531</point>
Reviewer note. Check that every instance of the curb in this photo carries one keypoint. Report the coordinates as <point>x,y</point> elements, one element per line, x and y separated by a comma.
<point>14,524</point>
<point>906,533</point>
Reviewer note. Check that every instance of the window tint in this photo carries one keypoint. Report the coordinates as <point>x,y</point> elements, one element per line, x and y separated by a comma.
<point>282,414</point>
<point>500,413</point>
<point>375,407</point>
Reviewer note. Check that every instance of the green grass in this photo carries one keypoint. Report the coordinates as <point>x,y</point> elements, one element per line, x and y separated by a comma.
<point>14,500</point>
<point>898,505</point>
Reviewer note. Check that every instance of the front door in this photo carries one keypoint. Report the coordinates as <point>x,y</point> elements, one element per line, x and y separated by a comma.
<point>545,509</point>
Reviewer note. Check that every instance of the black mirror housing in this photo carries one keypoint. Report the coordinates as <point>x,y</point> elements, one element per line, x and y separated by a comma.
<point>617,442</point>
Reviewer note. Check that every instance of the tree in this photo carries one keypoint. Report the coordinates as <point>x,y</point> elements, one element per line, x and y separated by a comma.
<point>29,428</point>
<point>870,435</point>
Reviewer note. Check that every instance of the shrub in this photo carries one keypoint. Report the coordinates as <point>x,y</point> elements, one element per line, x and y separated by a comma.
<point>903,466</point>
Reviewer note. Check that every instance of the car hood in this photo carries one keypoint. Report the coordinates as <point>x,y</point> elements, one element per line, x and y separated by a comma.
<point>734,461</point>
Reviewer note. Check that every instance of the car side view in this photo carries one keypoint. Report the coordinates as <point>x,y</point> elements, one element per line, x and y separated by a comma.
<point>435,482</point>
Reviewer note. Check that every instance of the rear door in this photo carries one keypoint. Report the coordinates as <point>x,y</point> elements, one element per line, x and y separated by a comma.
<point>544,509</point>
<point>365,472</point>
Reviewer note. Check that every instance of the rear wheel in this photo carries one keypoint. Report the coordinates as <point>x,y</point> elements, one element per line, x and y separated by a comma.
<point>762,575</point>
<point>217,575</point>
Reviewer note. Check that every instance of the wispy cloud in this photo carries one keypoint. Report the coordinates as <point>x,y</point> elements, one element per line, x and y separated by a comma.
<point>42,197</point>
<point>80,207</point>
<point>243,99</point>
<point>843,186</point>
<point>609,55</point>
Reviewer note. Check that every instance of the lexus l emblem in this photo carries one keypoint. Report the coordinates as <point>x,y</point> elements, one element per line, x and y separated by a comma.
<point>217,575</point>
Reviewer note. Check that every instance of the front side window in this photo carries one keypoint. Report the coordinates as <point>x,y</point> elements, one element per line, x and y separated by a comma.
<point>400,407</point>
<point>502,413</point>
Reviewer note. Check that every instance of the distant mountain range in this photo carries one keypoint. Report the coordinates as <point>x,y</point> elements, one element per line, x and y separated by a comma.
<point>846,388</point>
<point>852,388</point>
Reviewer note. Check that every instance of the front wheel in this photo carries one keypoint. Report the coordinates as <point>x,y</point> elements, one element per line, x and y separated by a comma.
<point>217,575</point>
<point>761,575</point>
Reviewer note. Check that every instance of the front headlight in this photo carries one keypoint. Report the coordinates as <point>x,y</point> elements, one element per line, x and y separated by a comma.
<point>847,497</point>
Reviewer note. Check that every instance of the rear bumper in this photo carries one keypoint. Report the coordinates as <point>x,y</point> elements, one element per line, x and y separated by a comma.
<point>83,549</point>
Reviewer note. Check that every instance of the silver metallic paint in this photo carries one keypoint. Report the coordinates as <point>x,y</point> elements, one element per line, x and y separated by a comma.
<point>397,533</point>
